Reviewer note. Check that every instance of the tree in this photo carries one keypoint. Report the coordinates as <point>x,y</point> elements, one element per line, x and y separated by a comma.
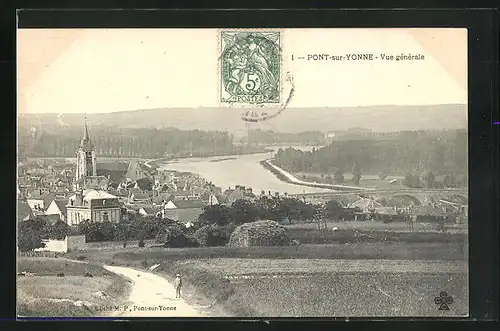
<point>338,176</point>
<point>356,174</point>
<point>145,184</point>
<point>29,236</point>
<point>59,230</point>
<point>412,181</point>
<point>215,214</point>
<point>97,231</point>
<point>429,179</point>
<point>449,181</point>
<point>243,211</point>
<point>123,231</point>
<point>332,210</point>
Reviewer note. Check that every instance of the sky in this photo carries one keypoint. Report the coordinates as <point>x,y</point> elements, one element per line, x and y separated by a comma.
<point>68,71</point>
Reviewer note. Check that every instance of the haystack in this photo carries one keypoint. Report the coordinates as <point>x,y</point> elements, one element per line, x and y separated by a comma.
<point>259,233</point>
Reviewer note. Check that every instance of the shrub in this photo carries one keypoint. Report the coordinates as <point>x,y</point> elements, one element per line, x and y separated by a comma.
<point>212,235</point>
<point>259,233</point>
<point>61,274</point>
<point>29,236</point>
<point>141,243</point>
<point>80,257</point>
<point>172,236</point>
<point>59,230</point>
<point>88,274</point>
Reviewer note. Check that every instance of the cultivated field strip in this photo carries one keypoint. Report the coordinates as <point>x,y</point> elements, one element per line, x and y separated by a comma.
<point>269,268</point>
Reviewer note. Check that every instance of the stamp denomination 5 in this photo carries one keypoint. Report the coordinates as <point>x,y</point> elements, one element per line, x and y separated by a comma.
<point>250,67</point>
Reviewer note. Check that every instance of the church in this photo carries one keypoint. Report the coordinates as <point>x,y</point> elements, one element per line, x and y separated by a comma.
<point>91,201</point>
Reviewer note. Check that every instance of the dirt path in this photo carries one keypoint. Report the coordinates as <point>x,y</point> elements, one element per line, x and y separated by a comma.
<point>152,296</point>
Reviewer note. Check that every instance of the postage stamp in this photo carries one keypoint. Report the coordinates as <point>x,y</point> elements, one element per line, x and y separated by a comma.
<point>250,67</point>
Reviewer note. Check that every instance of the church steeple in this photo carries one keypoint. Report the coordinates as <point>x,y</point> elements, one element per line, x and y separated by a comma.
<point>86,143</point>
<point>85,159</point>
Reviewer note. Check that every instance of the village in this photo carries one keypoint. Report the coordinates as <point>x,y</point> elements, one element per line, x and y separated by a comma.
<point>55,189</point>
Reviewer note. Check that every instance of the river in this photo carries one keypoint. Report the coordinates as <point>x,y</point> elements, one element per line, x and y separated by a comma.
<point>228,171</point>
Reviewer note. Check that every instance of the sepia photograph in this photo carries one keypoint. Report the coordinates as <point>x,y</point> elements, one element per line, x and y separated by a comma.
<point>314,172</point>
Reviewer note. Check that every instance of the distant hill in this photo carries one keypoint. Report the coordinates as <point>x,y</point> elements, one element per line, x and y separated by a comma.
<point>377,118</point>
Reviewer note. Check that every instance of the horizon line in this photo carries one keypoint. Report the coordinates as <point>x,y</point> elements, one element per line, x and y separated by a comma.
<point>244,108</point>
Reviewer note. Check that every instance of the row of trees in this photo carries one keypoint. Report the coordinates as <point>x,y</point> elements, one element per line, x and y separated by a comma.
<point>144,142</point>
<point>408,152</point>
<point>218,222</point>
<point>266,208</point>
<point>271,137</point>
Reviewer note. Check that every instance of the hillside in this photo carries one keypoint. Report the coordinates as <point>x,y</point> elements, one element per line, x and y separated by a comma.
<point>379,118</point>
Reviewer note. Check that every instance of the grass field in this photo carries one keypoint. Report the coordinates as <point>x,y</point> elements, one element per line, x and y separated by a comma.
<point>367,180</point>
<point>380,226</point>
<point>386,279</point>
<point>314,287</point>
<point>311,235</point>
<point>359,294</point>
<point>444,251</point>
<point>45,294</point>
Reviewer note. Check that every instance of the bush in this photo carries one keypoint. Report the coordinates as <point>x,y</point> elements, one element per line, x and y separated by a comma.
<point>88,274</point>
<point>61,274</point>
<point>260,233</point>
<point>212,235</point>
<point>58,230</point>
<point>172,236</point>
<point>141,243</point>
<point>29,236</point>
<point>97,231</point>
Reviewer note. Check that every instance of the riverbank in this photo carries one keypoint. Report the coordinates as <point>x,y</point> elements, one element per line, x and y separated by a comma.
<point>154,162</point>
<point>289,178</point>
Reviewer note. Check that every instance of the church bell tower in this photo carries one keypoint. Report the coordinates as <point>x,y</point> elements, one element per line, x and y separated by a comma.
<point>85,159</point>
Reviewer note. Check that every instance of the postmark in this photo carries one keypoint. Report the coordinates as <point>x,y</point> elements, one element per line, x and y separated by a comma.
<point>250,67</point>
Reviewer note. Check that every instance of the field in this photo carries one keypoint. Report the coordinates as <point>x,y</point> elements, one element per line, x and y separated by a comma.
<point>45,294</point>
<point>380,226</point>
<point>359,279</point>
<point>367,180</point>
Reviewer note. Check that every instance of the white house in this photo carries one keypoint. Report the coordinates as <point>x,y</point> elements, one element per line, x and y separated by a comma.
<point>58,207</point>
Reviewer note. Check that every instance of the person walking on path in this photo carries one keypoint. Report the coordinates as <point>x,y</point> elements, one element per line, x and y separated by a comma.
<point>178,285</point>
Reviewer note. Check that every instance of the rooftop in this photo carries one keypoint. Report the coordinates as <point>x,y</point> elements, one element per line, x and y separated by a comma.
<point>94,194</point>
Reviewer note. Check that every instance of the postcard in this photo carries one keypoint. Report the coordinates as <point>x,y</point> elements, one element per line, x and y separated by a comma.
<point>242,173</point>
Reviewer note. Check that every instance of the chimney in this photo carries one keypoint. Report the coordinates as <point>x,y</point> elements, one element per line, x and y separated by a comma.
<point>270,193</point>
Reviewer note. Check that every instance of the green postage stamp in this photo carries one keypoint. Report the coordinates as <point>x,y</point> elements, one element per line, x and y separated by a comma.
<point>250,67</point>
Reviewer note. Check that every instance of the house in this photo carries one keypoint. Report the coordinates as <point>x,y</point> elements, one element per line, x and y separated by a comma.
<point>58,207</point>
<point>238,193</point>
<point>138,196</point>
<point>150,211</point>
<point>162,198</point>
<point>50,219</point>
<point>93,205</point>
<point>24,211</point>
<point>115,171</point>
<point>209,199</point>
<point>183,210</point>
<point>40,200</point>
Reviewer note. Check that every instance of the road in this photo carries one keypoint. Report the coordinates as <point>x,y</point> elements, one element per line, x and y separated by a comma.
<point>152,296</point>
